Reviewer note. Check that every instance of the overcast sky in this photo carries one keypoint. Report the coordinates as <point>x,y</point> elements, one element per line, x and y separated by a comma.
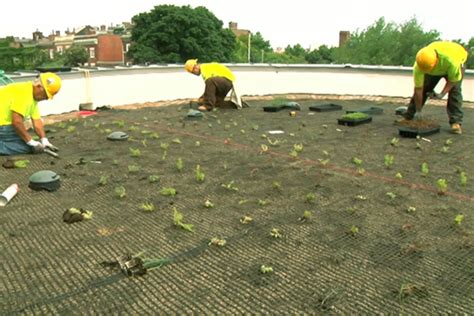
<point>310,23</point>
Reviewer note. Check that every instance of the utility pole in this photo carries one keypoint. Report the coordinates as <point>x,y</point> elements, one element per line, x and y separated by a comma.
<point>248,53</point>
<point>262,55</point>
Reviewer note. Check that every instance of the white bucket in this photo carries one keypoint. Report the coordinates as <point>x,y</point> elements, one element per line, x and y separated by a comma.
<point>8,194</point>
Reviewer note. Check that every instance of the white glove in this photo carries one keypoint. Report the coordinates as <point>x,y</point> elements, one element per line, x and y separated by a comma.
<point>46,144</point>
<point>418,116</point>
<point>36,146</point>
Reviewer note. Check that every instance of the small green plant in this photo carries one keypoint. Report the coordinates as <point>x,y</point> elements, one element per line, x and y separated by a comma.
<point>276,185</point>
<point>356,161</point>
<point>71,129</point>
<point>307,215</point>
<point>448,142</point>
<point>445,149</point>
<point>135,152</point>
<point>103,180</point>
<point>133,168</point>
<point>355,116</point>
<point>424,169</point>
<point>115,162</point>
<point>120,123</point>
<point>394,142</point>
<point>398,176</point>
<point>411,209</point>
<point>164,146</point>
<point>298,147</point>
<point>121,192</point>
<point>354,230</point>
<point>246,220</point>
<point>442,186</point>
<point>153,178</point>
<point>391,195</point>
<point>230,186</point>
<point>458,219</point>
<point>265,269</point>
<point>176,140</point>
<point>208,204</point>
<point>242,202</point>
<point>388,161</point>
<point>217,242</point>
<point>361,197</point>
<point>22,163</point>
<point>178,221</point>
<point>147,207</point>
<point>463,178</point>
<point>164,155</point>
<point>179,164</point>
<point>310,197</point>
<point>199,174</point>
<point>154,136</point>
<point>262,202</point>
<point>275,233</point>
<point>168,191</point>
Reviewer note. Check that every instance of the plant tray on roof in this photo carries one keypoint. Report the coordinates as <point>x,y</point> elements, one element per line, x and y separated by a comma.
<point>325,107</point>
<point>414,128</point>
<point>354,119</point>
<point>367,110</point>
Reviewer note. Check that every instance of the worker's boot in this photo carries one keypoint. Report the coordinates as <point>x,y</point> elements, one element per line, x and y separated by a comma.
<point>456,128</point>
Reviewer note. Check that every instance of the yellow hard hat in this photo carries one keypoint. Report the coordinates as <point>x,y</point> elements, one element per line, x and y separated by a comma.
<point>51,83</point>
<point>189,65</point>
<point>426,58</point>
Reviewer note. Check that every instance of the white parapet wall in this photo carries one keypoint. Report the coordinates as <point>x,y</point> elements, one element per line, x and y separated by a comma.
<point>129,85</point>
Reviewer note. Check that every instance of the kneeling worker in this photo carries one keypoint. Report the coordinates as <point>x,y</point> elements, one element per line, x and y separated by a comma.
<point>18,102</point>
<point>219,80</point>
<point>433,62</point>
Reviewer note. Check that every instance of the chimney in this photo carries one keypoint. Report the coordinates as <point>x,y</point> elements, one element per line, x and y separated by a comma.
<point>58,33</point>
<point>233,25</point>
<point>103,28</point>
<point>344,36</point>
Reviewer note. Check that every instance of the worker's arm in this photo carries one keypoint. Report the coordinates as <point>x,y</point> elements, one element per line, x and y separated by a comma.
<point>418,99</point>
<point>17,123</point>
<point>39,129</point>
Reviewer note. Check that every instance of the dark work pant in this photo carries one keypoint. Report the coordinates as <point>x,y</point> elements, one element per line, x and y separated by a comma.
<point>216,90</point>
<point>454,106</point>
<point>11,143</point>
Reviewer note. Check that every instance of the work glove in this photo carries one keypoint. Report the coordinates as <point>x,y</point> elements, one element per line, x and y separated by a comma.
<point>47,145</point>
<point>36,146</point>
<point>418,116</point>
<point>437,96</point>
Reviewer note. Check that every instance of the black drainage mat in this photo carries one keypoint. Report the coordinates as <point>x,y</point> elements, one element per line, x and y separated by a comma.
<point>325,107</point>
<point>367,110</point>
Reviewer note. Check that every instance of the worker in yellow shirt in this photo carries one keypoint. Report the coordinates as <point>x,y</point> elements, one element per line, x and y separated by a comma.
<point>433,62</point>
<point>19,102</point>
<point>219,80</point>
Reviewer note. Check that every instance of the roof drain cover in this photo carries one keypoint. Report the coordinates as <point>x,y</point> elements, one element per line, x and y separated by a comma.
<point>44,180</point>
<point>117,136</point>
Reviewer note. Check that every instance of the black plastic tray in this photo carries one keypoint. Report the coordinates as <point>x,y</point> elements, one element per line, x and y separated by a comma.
<point>356,122</point>
<point>273,108</point>
<point>414,132</point>
<point>368,110</point>
<point>325,107</point>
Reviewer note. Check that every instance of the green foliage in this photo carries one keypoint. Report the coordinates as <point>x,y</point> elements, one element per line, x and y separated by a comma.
<point>147,207</point>
<point>12,59</point>
<point>168,191</point>
<point>388,161</point>
<point>442,186</point>
<point>200,176</point>
<point>135,152</point>
<point>22,163</point>
<point>463,178</point>
<point>179,164</point>
<point>75,56</point>
<point>458,219</point>
<point>321,55</point>
<point>103,180</point>
<point>172,34</point>
<point>385,43</point>
<point>424,169</point>
<point>121,192</point>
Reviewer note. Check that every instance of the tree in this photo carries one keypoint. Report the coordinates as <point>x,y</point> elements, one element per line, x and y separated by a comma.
<point>75,56</point>
<point>321,55</point>
<point>172,34</point>
<point>258,45</point>
<point>470,58</point>
<point>386,44</point>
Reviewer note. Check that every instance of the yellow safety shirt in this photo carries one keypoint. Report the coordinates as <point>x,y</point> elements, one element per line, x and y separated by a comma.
<point>17,97</point>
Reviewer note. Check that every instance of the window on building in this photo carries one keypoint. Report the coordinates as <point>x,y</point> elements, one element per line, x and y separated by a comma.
<point>60,49</point>
<point>92,52</point>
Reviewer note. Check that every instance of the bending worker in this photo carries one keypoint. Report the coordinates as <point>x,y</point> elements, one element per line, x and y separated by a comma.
<point>219,80</point>
<point>433,62</point>
<point>19,102</point>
